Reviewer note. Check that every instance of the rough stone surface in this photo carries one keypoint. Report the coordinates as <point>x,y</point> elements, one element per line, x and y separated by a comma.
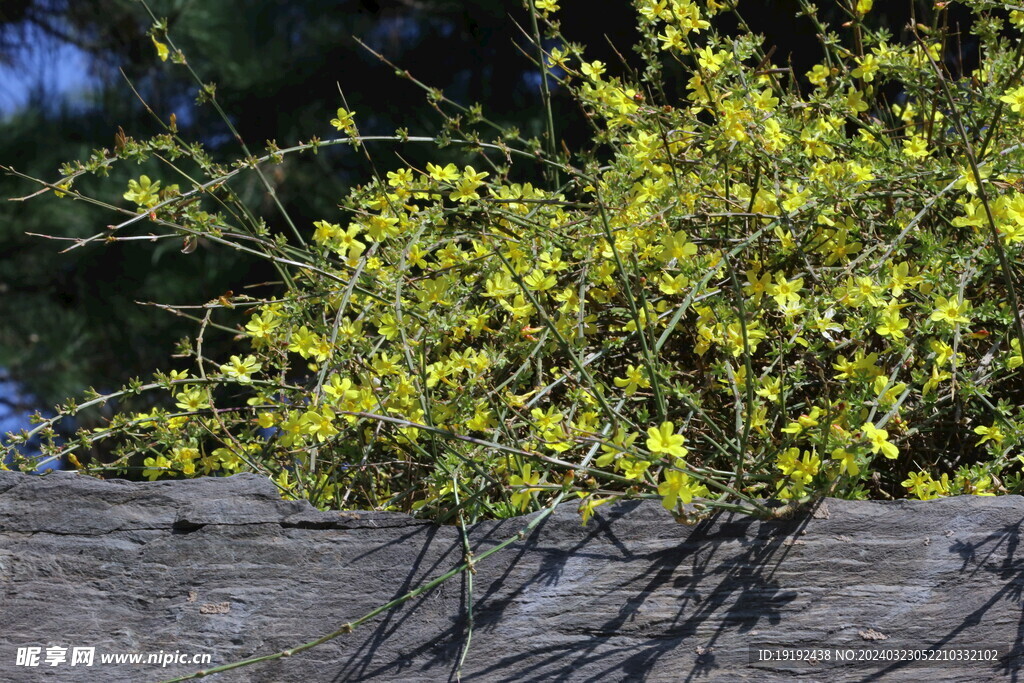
<point>222,566</point>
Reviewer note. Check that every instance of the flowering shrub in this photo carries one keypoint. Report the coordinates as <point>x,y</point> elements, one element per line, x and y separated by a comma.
<point>774,286</point>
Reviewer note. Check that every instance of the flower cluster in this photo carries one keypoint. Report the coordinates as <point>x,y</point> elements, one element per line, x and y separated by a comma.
<point>791,285</point>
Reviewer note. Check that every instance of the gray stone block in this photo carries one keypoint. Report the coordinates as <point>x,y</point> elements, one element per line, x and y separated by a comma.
<point>224,567</point>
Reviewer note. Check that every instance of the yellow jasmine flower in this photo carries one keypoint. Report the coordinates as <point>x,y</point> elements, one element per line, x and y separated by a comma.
<point>525,484</point>
<point>344,121</point>
<point>1014,98</point>
<point>241,369</point>
<point>847,461</point>
<point>879,439</point>
<point>993,434</point>
<point>319,424</point>
<point>950,311</point>
<point>155,467</point>
<point>635,378</point>
<point>663,440</point>
<point>677,485</point>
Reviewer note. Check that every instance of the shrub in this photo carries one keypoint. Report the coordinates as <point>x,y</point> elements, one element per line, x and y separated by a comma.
<point>770,287</point>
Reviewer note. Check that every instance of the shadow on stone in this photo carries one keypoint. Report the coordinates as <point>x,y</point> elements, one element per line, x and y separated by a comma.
<point>223,567</point>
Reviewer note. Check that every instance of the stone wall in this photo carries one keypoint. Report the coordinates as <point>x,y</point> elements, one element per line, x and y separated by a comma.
<point>223,567</point>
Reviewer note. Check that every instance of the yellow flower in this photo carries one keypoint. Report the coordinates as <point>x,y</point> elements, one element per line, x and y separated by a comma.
<point>319,424</point>
<point>345,121</point>
<point>664,440</point>
<point>805,469</point>
<point>879,439</point>
<point>867,66</point>
<point>184,458</point>
<point>710,60</point>
<point>241,369</point>
<point>619,444</point>
<point>539,281</point>
<point>341,389</point>
<point>788,460</point>
<point>634,379</point>
<point>892,325</point>
<point>446,174</point>
<point>1014,98</point>
<point>482,420</point>
<point>916,147</point>
<point>465,191</point>
<point>590,503</point>
<point>558,58</point>
<point>192,400</point>
<point>161,49</point>
<point>770,387</point>
<point>795,198</point>
<point>304,342</point>
<point>673,285</point>
<point>937,377</point>
<point>847,461</point>
<point>385,365</point>
<point>470,174</point>
<point>676,246</point>
<point>818,74</point>
<point>524,484</point>
<point>593,70</point>
<point>325,232</point>
<point>757,286</point>
<point>947,310</point>
<point>546,420</point>
<point>765,100</point>
<point>143,192</point>
<point>677,485</point>
<point>155,467</point>
<point>400,178</point>
<point>919,484</point>
<point>262,325</point>
<point>993,434</point>
<point>855,101</point>
<point>900,278</point>
<point>631,468</point>
<point>943,351</point>
<point>785,290</point>
<point>979,487</point>
<point>1016,359</point>
<point>804,422</point>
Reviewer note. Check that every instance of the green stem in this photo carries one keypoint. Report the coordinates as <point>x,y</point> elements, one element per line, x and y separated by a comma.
<point>545,93</point>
